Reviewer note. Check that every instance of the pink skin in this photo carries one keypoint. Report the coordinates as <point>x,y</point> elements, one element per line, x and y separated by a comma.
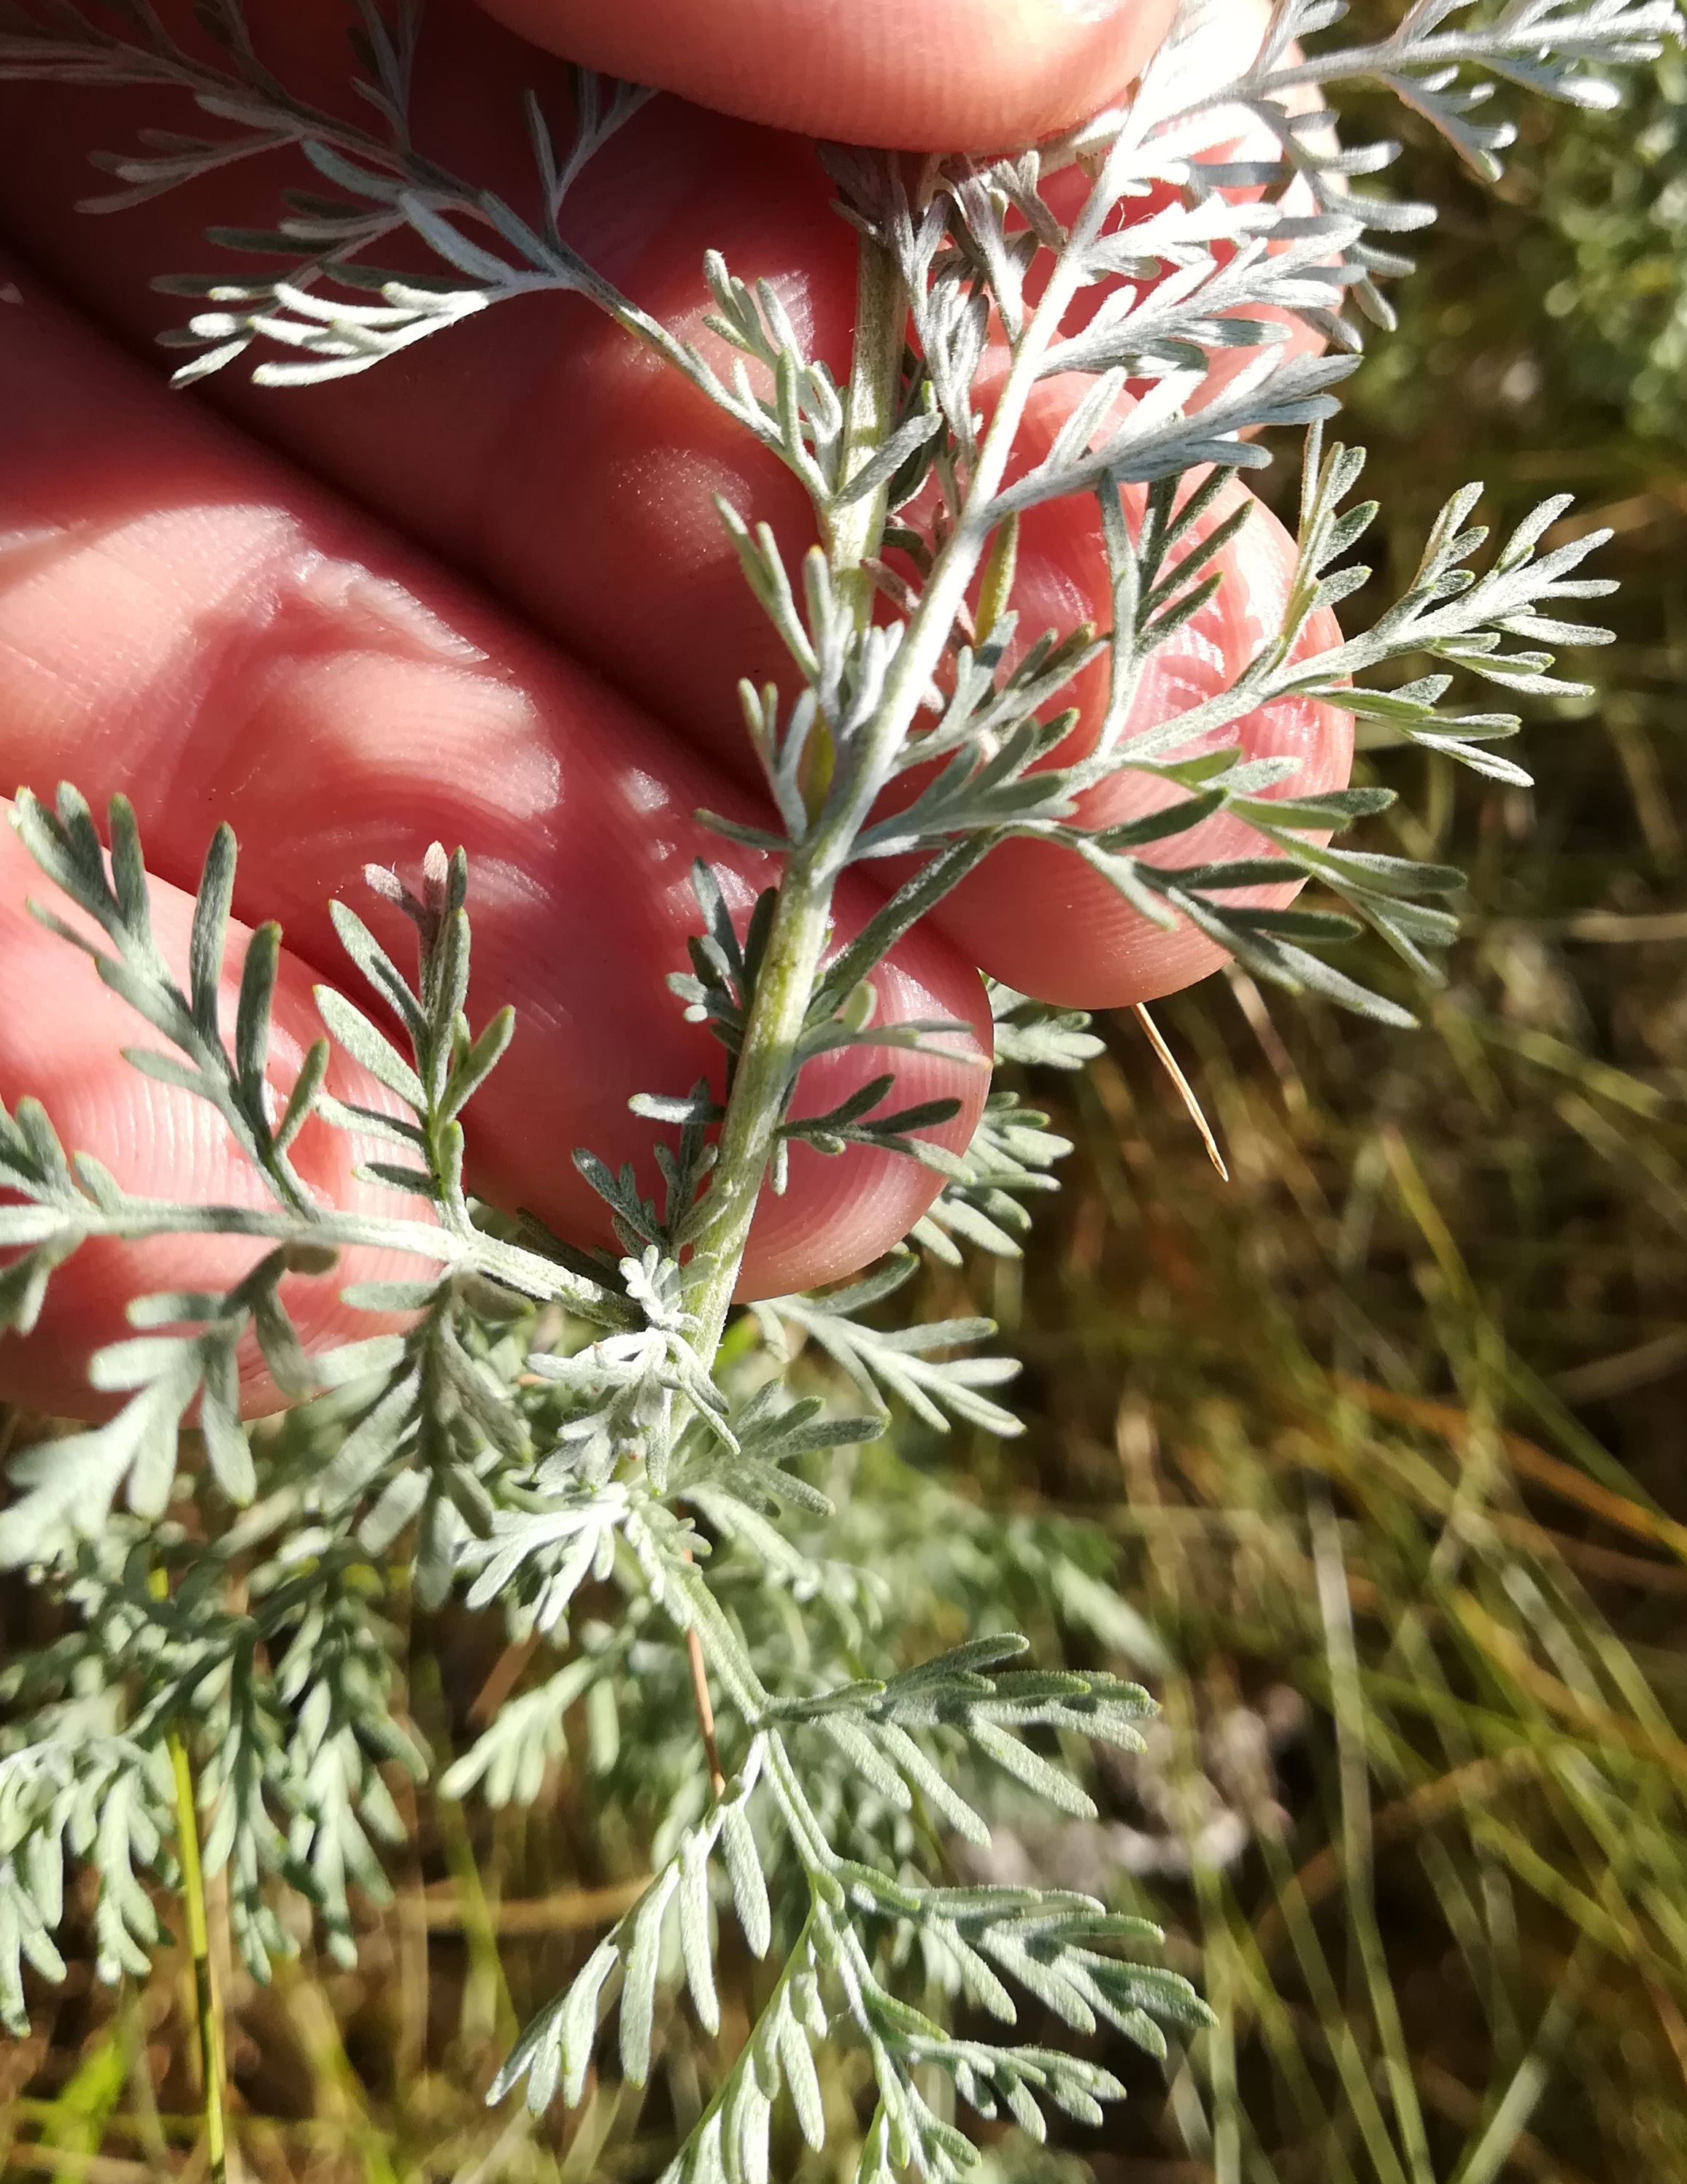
<point>242,610</point>
<point>1109,955</point>
<point>939,72</point>
<point>265,658</point>
<point>1116,956</point>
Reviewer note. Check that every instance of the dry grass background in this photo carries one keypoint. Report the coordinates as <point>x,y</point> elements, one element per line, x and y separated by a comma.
<point>1370,1462</point>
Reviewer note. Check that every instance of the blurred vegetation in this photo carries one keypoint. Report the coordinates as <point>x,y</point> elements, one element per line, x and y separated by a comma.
<point>1370,1462</point>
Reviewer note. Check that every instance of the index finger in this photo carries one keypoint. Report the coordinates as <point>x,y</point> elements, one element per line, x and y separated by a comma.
<point>911,75</point>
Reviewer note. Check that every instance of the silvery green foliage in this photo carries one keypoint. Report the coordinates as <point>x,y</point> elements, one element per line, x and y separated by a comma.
<point>468,1453</point>
<point>1221,242</point>
<point>551,1418</point>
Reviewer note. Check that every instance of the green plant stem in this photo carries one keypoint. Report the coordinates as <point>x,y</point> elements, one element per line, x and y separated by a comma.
<point>927,634</point>
<point>207,2010</point>
<point>803,918</point>
<point>790,967</point>
<point>855,530</point>
<point>777,1015</point>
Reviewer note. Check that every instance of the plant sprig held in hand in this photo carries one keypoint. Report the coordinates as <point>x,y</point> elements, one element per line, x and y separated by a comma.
<point>544,1417</point>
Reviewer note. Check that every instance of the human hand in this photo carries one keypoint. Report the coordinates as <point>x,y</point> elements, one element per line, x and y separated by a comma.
<point>188,619</point>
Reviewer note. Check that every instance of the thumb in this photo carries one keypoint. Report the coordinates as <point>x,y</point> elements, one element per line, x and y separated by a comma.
<point>913,75</point>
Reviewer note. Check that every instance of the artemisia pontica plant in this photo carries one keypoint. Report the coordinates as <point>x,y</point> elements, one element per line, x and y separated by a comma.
<point>1129,318</point>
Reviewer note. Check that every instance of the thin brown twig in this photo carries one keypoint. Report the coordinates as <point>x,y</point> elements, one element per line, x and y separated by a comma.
<point>1452,1426</point>
<point>1599,1723</point>
<point>1644,1573</point>
<point>1478,1780</point>
<point>570,1910</point>
<point>1669,2017</point>
<point>1186,1091</point>
<point>705,1704</point>
<point>69,2161</point>
<point>705,1711</point>
<point>507,1672</point>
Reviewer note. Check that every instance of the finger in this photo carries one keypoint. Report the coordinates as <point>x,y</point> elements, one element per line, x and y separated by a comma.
<point>1036,915</point>
<point>259,656</point>
<point>1085,945</point>
<point>942,74</point>
<point>535,445</point>
<point>63,1035</point>
<point>580,475</point>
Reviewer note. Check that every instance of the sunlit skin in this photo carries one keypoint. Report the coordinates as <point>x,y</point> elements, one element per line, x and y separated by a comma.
<point>481,594</point>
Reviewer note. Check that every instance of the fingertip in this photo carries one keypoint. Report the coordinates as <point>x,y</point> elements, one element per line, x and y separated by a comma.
<point>943,75</point>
